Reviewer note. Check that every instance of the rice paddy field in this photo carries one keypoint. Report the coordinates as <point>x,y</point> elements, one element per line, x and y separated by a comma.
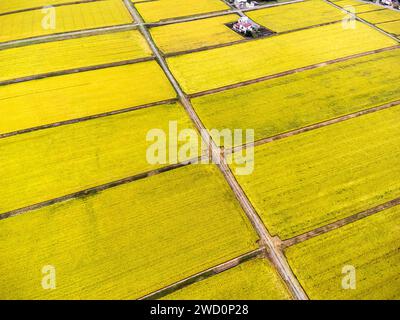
<point>116,184</point>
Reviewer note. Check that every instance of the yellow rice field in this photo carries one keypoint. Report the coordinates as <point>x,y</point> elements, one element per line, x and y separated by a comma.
<point>199,72</point>
<point>370,245</point>
<point>68,18</point>
<point>72,53</point>
<point>252,280</point>
<point>195,34</point>
<point>391,27</point>
<point>79,95</point>
<point>81,194</point>
<point>47,164</point>
<point>357,6</point>
<point>380,16</point>
<point>296,16</point>
<point>15,5</point>
<point>312,179</point>
<point>297,100</point>
<point>127,241</point>
<point>153,11</point>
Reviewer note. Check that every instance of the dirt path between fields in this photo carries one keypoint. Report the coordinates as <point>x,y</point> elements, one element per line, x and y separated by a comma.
<point>275,254</point>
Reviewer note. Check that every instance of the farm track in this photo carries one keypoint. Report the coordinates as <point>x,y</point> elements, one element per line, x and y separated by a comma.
<point>276,256</point>
<point>340,223</point>
<point>204,274</point>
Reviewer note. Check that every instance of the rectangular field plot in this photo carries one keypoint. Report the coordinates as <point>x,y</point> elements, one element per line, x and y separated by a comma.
<point>16,5</point>
<point>370,245</point>
<point>72,53</point>
<point>314,178</point>
<point>195,34</point>
<point>199,71</point>
<point>380,16</point>
<point>279,105</point>
<point>127,241</point>
<point>296,16</point>
<point>39,102</point>
<point>68,18</point>
<point>391,27</point>
<point>251,280</point>
<point>42,165</point>
<point>158,10</point>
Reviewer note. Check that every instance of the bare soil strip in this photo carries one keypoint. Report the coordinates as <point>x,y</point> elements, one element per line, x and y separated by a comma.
<point>91,117</point>
<point>285,73</point>
<point>276,256</point>
<point>339,223</point>
<point>314,126</point>
<point>76,70</point>
<point>203,275</point>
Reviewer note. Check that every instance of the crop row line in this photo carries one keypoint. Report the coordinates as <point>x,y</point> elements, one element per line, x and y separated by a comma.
<point>204,274</point>
<point>277,258</point>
